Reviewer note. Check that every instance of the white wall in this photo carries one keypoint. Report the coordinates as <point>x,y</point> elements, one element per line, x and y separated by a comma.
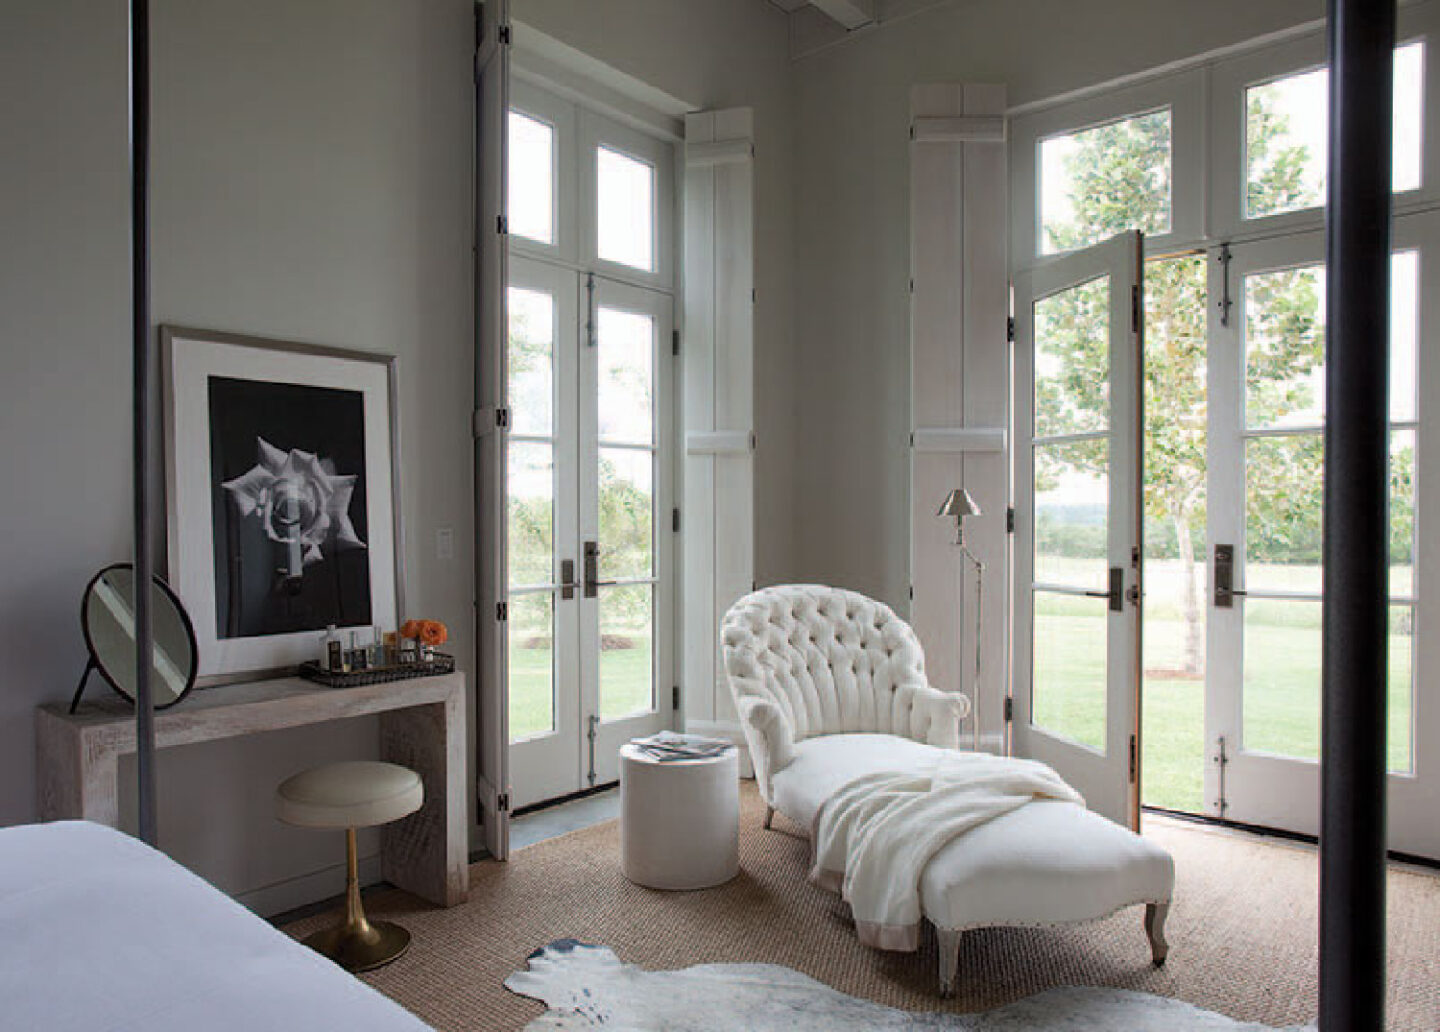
<point>716,54</point>
<point>311,181</point>
<point>852,227</point>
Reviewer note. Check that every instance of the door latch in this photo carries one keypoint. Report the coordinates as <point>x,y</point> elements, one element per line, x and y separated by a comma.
<point>1225,590</point>
<point>592,570</point>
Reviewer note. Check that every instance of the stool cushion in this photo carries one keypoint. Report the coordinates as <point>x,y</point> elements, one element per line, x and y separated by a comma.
<point>356,794</point>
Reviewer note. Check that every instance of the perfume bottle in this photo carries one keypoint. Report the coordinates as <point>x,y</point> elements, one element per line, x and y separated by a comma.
<point>334,660</point>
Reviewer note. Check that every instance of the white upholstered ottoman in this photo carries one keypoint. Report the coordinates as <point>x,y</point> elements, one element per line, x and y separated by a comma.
<point>679,820</point>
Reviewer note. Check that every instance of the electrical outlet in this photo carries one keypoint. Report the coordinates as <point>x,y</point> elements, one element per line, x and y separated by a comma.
<point>444,543</point>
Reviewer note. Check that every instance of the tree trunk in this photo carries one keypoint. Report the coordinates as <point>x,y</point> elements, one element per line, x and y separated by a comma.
<point>1193,651</point>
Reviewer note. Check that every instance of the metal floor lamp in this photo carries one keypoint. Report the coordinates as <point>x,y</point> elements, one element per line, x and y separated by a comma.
<point>959,505</point>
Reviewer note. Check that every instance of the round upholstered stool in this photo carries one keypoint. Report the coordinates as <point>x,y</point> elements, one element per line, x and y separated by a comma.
<point>349,796</point>
<point>679,820</point>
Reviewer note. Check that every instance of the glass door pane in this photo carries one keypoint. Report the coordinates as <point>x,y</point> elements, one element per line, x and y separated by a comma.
<point>626,342</point>
<point>530,483</point>
<point>1071,511</point>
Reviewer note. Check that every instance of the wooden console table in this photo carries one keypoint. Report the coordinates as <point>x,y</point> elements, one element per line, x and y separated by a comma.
<point>422,726</point>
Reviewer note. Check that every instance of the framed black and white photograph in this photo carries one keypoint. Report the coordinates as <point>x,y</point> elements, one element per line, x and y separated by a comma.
<point>283,495</point>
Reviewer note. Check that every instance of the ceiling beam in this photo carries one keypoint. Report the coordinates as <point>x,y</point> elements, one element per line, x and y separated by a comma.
<point>850,13</point>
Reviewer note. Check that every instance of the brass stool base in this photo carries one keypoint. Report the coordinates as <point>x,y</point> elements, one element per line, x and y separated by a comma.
<point>372,945</point>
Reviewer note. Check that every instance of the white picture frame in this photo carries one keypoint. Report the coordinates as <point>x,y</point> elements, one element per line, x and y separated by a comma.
<point>358,532</point>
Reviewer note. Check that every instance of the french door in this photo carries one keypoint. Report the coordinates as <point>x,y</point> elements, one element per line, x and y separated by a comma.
<point>1265,456</point>
<point>1077,566</point>
<point>588,474</point>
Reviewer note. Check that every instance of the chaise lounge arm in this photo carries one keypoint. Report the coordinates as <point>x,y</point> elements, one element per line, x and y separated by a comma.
<point>768,733</point>
<point>935,720</point>
<point>940,714</point>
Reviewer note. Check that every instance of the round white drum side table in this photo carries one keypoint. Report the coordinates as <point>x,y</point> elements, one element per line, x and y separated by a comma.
<point>679,820</point>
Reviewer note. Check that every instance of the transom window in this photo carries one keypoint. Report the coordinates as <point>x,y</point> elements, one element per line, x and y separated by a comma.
<point>589,192</point>
<point>1287,136</point>
<point>1081,195</point>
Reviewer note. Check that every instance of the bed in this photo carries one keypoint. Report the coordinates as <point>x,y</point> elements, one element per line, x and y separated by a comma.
<point>103,933</point>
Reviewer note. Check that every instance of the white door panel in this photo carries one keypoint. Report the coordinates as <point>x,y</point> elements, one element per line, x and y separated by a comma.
<point>1266,454</point>
<point>1077,566</point>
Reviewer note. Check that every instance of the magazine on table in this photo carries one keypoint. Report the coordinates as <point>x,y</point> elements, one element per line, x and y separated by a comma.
<point>672,745</point>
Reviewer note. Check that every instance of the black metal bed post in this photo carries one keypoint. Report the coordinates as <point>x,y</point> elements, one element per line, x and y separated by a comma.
<point>140,309</point>
<point>1361,39</point>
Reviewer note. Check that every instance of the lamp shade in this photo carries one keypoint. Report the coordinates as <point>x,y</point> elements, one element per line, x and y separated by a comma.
<point>959,504</point>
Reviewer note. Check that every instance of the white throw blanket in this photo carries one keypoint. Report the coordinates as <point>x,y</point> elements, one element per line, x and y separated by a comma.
<point>874,836</point>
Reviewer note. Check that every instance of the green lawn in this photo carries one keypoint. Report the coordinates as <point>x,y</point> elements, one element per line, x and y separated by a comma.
<point>625,683</point>
<point>1282,696</point>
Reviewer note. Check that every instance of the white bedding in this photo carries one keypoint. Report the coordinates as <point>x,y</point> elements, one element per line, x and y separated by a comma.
<point>100,933</point>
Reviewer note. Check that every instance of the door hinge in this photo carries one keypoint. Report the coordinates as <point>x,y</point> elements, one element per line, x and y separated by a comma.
<point>1010,519</point>
<point>502,802</point>
<point>1133,759</point>
<point>1010,329</point>
<point>502,611</point>
<point>502,225</point>
<point>912,593</point>
<point>502,418</point>
<point>1135,308</point>
<point>1009,709</point>
<point>675,697</point>
<point>675,520</point>
<point>674,342</point>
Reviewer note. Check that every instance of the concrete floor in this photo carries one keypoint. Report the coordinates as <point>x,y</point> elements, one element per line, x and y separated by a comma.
<point>563,818</point>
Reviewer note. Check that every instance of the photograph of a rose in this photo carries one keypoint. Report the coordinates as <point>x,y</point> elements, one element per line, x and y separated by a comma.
<point>300,501</point>
<point>289,497</point>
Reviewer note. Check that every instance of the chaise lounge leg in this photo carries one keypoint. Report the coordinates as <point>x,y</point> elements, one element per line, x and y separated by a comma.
<point>949,960</point>
<point>769,816</point>
<point>1155,914</point>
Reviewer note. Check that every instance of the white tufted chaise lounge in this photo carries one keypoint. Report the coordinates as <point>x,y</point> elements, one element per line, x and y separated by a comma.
<point>830,685</point>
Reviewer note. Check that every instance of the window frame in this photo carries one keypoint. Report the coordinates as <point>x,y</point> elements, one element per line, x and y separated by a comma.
<point>559,114</point>
<point>594,131</point>
<point>1182,93</point>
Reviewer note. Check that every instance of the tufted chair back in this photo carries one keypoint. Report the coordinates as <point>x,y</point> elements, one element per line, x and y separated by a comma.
<point>831,660</point>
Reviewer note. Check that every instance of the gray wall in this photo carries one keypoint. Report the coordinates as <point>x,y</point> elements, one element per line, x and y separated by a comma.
<point>312,165</point>
<point>716,54</point>
<point>311,182</point>
<point>852,227</point>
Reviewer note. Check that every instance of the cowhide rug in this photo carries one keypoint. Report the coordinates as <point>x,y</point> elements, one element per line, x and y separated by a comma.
<point>587,987</point>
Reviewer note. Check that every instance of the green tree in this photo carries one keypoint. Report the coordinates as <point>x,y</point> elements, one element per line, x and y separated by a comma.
<point>1119,179</point>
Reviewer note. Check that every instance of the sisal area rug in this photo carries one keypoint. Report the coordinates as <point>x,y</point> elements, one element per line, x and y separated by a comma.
<point>1242,933</point>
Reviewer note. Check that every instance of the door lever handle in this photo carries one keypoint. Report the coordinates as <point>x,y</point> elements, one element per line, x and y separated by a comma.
<point>592,568</point>
<point>1116,594</point>
<point>1225,591</point>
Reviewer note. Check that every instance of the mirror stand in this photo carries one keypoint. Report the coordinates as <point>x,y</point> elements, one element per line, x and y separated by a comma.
<point>90,667</point>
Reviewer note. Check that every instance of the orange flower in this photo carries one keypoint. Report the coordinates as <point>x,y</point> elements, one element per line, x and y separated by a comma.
<point>433,632</point>
<point>410,629</point>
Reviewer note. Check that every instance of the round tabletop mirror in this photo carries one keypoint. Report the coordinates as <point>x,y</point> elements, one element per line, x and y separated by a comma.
<point>108,617</point>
